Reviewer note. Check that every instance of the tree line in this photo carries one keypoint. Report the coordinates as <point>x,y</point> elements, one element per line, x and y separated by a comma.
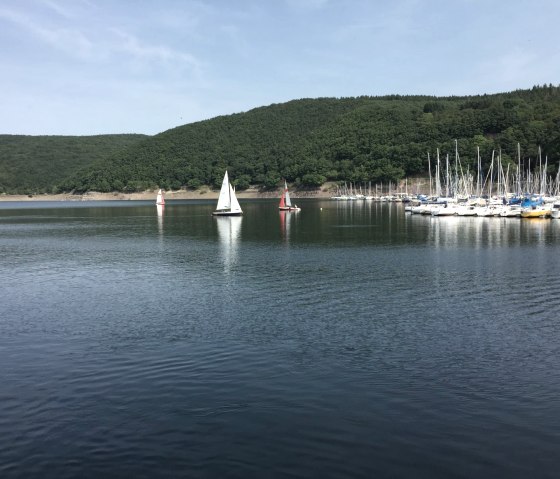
<point>36,164</point>
<point>311,141</point>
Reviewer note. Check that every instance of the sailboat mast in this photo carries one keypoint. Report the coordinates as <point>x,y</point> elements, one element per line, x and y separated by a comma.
<point>519,191</point>
<point>456,186</point>
<point>447,176</point>
<point>478,193</point>
<point>430,173</point>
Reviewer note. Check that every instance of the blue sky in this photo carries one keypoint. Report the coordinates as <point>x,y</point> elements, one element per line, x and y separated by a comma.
<point>85,67</point>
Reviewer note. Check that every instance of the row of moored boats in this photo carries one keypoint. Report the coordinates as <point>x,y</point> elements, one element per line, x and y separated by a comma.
<point>522,207</point>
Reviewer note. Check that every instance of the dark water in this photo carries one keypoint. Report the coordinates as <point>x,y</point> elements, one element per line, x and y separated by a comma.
<point>345,340</point>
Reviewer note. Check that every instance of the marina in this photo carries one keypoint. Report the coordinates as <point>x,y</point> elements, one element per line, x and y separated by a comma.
<point>525,193</point>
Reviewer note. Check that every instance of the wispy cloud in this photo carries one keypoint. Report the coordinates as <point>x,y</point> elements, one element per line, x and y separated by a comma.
<point>134,47</point>
<point>58,9</point>
<point>94,43</point>
<point>198,58</point>
<point>69,40</point>
<point>307,4</point>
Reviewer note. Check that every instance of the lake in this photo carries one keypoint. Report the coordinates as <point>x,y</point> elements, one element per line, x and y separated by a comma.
<point>344,340</point>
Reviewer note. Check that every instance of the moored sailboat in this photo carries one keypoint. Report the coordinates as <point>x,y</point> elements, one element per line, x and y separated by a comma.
<point>536,211</point>
<point>286,202</point>
<point>227,201</point>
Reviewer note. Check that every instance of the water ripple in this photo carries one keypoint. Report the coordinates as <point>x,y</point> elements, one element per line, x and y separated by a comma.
<point>390,347</point>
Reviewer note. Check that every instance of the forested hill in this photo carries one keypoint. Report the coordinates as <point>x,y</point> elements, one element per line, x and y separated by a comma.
<point>311,141</point>
<point>35,164</point>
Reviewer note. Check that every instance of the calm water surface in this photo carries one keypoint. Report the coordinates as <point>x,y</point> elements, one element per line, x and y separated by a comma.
<point>344,340</point>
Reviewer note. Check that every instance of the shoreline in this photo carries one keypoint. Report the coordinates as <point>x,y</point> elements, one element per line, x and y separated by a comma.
<point>202,194</point>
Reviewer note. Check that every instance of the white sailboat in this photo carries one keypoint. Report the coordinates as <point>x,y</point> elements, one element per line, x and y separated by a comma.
<point>227,201</point>
<point>160,200</point>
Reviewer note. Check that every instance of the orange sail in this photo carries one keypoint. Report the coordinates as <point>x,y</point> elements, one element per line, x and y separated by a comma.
<point>283,199</point>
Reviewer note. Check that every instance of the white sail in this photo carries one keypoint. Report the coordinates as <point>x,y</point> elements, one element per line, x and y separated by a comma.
<point>234,204</point>
<point>224,198</point>
<point>159,198</point>
<point>288,201</point>
<point>227,201</point>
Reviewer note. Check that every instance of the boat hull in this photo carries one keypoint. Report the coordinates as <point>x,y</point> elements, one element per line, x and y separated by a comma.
<point>227,213</point>
<point>288,208</point>
<point>532,214</point>
<point>535,213</point>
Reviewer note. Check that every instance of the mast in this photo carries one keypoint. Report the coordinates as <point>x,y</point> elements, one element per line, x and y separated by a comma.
<point>519,190</point>
<point>430,173</point>
<point>447,175</point>
<point>456,192</point>
<point>438,180</point>
<point>499,175</point>
<point>540,173</point>
<point>491,174</point>
<point>478,193</point>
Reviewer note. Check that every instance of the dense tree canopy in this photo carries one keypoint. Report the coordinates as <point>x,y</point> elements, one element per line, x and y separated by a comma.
<point>311,141</point>
<point>35,164</point>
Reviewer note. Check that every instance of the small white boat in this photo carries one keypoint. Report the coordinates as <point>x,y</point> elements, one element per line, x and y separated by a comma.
<point>486,211</point>
<point>466,210</point>
<point>227,201</point>
<point>555,211</point>
<point>160,200</point>
<point>510,211</point>
<point>444,210</point>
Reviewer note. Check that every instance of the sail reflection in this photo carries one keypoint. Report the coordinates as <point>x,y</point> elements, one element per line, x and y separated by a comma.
<point>229,232</point>
<point>286,219</point>
<point>160,209</point>
<point>285,225</point>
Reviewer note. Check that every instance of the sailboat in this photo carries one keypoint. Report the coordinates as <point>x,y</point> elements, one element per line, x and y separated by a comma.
<point>227,201</point>
<point>160,200</point>
<point>286,202</point>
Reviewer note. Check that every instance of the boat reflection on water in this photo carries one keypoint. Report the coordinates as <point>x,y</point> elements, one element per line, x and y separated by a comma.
<point>285,226</point>
<point>160,210</point>
<point>286,218</point>
<point>475,232</point>
<point>229,232</point>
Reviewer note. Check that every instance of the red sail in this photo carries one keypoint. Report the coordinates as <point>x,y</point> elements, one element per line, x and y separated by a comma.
<point>283,200</point>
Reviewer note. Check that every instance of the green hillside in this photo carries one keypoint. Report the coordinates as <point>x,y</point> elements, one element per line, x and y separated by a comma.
<point>34,164</point>
<point>311,141</point>
<point>360,139</point>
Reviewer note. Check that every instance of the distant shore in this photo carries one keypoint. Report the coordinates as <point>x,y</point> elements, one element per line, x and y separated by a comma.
<point>203,194</point>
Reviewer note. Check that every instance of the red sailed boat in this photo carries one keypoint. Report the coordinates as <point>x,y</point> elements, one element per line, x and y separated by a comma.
<point>286,202</point>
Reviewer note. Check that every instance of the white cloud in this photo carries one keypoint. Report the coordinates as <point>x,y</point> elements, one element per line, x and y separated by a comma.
<point>138,61</point>
<point>69,40</point>
<point>307,4</point>
<point>57,8</point>
<point>133,46</point>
